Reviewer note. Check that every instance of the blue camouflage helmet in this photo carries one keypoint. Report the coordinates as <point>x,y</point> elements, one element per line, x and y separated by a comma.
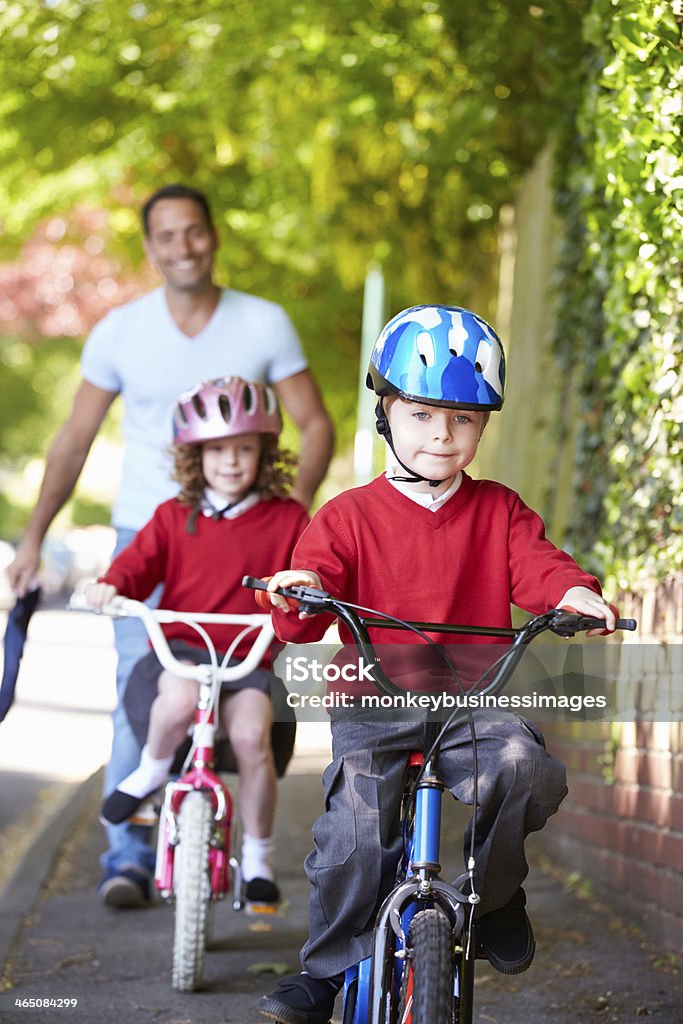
<point>439,355</point>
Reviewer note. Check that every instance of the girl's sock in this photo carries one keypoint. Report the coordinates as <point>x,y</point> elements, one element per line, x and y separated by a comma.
<point>257,858</point>
<point>148,775</point>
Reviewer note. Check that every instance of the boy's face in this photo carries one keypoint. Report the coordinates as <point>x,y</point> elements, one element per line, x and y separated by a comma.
<point>230,464</point>
<point>434,442</point>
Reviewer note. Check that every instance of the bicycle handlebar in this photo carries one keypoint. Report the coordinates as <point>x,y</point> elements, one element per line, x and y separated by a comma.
<point>563,623</point>
<point>152,617</point>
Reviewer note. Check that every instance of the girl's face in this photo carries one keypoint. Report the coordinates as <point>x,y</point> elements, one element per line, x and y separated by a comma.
<point>230,464</point>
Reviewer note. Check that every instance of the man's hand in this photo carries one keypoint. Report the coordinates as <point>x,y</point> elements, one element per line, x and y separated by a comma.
<point>22,571</point>
<point>587,602</point>
<point>99,594</point>
<point>291,578</point>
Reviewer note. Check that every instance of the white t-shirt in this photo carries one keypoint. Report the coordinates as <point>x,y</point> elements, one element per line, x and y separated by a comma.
<point>139,351</point>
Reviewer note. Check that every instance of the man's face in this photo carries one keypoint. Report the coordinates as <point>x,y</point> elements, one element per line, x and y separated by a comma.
<point>181,244</point>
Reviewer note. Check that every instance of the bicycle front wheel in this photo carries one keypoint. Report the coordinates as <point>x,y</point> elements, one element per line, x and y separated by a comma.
<point>427,986</point>
<point>192,891</point>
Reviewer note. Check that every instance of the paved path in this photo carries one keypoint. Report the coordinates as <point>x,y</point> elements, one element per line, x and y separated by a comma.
<point>590,967</point>
<point>58,731</point>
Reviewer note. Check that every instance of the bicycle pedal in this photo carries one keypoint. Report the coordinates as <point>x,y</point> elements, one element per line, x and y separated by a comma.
<point>147,813</point>
<point>253,909</point>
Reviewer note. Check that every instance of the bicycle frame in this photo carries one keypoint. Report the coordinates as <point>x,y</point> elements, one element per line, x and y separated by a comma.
<point>369,985</point>
<point>200,776</point>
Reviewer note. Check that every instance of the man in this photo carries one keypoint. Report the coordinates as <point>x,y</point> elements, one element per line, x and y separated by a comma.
<point>149,351</point>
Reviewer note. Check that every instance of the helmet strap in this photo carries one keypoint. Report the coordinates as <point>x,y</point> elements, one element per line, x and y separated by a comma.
<point>215,514</point>
<point>384,430</point>
<point>218,513</point>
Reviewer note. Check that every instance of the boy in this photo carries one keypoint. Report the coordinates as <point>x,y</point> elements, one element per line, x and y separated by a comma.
<point>426,542</point>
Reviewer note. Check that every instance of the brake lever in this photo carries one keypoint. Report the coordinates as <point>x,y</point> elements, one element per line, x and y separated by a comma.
<point>566,624</point>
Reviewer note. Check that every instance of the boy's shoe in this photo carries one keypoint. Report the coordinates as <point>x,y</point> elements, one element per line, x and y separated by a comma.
<point>261,895</point>
<point>124,889</point>
<point>301,999</point>
<point>507,936</point>
<point>120,806</point>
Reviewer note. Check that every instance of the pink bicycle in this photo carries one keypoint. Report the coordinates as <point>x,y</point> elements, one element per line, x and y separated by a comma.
<point>194,865</point>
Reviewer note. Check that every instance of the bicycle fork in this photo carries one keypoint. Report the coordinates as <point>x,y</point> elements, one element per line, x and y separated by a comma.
<point>201,777</point>
<point>377,979</point>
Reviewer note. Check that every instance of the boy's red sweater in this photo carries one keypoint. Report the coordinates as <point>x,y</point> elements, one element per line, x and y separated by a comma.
<point>465,563</point>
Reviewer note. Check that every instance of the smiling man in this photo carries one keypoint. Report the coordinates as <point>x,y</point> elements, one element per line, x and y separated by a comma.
<point>149,351</point>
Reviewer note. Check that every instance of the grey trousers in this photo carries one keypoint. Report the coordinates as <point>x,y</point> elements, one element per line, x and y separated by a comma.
<point>357,845</point>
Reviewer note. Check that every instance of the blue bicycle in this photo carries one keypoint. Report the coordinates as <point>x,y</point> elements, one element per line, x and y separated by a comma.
<point>421,969</point>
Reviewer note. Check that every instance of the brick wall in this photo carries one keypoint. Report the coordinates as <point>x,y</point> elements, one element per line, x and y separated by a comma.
<point>622,824</point>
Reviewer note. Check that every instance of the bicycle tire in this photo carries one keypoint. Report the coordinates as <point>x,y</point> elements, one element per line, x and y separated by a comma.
<point>427,988</point>
<point>192,891</point>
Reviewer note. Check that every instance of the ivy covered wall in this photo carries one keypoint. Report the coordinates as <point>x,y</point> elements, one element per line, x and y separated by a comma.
<point>619,289</point>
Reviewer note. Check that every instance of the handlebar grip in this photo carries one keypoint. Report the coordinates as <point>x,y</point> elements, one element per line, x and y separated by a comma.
<point>588,622</point>
<point>261,595</point>
<point>78,603</point>
<point>253,583</point>
<point>568,622</point>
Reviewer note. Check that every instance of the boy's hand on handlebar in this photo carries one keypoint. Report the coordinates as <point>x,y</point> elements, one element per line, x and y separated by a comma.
<point>99,594</point>
<point>587,602</point>
<point>291,578</point>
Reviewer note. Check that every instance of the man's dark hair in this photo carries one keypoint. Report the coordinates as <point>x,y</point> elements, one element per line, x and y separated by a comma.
<point>176,191</point>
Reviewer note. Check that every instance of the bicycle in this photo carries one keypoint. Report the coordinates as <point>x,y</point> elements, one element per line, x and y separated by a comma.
<point>421,969</point>
<point>194,866</point>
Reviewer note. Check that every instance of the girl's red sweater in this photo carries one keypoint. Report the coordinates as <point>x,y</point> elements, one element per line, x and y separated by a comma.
<point>202,571</point>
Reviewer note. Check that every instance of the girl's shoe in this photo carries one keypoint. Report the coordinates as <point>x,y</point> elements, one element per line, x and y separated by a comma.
<point>262,896</point>
<point>120,806</point>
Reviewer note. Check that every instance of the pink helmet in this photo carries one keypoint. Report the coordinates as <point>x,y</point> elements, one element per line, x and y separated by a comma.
<point>224,408</point>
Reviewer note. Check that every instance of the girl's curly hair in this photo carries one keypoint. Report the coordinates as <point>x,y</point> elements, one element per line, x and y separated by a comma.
<point>273,479</point>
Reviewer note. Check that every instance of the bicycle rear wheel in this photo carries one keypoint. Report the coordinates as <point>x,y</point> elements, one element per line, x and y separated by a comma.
<point>192,891</point>
<point>427,987</point>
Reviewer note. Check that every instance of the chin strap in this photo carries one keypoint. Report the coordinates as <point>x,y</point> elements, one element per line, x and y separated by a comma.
<point>215,514</point>
<point>384,430</point>
<point>218,513</point>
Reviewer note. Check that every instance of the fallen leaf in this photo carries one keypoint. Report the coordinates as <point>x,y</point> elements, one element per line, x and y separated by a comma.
<point>265,968</point>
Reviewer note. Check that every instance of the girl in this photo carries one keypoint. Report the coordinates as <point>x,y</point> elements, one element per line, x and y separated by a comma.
<point>230,518</point>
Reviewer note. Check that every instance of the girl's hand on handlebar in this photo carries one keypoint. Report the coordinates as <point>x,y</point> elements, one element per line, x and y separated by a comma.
<point>99,594</point>
<point>291,578</point>
<point>587,602</point>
